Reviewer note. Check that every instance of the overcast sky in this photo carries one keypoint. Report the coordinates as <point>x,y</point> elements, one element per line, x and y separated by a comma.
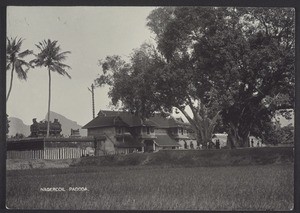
<point>90,33</point>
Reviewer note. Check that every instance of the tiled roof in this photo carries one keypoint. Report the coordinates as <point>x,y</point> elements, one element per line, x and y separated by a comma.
<point>104,122</point>
<point>163,122</point>
<point>112,113</point>
<point>165,140</point>
<point>131,120</point>
<point>129,143</point>
<point>106,118</point>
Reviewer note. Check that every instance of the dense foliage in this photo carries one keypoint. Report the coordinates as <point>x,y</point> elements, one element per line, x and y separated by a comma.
<point>230,64</point>
<point>279,135</point>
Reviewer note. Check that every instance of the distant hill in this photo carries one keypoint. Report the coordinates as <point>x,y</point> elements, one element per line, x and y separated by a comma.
<point>16,125</point>
<point>66,124</point>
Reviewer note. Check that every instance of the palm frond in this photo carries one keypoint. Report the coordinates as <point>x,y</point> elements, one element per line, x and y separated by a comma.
<point>56,68</point>
<point>17,45</point>
<point>50,56</point>
<point>8,66</point>
<point>13,57</point>
<point>62,65</point>
<point>25,53</point>
<point>8,45</point>
<point>61,56</point>
<point>22,74</point>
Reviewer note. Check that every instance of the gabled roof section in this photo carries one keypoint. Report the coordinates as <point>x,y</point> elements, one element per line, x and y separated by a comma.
<point>112,113</point>
<point>131,119</point>
<point>104,122</point>
<point>107,118</point>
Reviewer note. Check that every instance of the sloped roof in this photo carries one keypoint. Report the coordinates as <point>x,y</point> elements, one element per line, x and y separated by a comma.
<point>106,118</point>
<point>131,120</point>
<point>122,120</point>
<point>104,122</point>
<point>165,140</point>
<point>112,113</point>
<point>163,122</point>
<point>127,117</point>
<point>129,143</point>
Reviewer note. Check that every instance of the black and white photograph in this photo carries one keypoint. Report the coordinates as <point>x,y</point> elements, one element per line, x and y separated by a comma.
<point>150,108</point>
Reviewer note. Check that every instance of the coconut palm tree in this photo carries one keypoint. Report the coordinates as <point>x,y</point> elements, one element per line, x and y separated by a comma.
<point>50,56</point>
<point>15,62</point>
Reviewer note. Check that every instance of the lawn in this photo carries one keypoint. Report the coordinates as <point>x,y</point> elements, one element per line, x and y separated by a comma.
<point>253,187</point>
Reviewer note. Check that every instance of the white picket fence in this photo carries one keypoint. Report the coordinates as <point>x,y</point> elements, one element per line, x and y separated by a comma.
<point>50,153</point>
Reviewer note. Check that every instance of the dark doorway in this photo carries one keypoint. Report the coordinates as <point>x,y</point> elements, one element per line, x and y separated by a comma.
<point>148,146</point>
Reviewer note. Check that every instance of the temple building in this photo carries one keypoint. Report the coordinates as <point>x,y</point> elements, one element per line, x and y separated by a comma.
<point>39,129</point>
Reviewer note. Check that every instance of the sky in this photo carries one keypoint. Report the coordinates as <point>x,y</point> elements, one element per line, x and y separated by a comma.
<point>91,34</point>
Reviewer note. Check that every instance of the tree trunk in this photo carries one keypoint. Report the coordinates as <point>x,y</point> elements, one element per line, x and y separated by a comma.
<point>49,100</point>
<point>231,140</point>
<point>11,81</point>
<point>199,138</point>
<point>202,125</point>
<point>236,138</point>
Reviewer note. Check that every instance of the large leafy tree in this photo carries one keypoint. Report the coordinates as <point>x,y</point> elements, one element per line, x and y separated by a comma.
<point>240,57</point>
<point>187,84</point>
<point>149,84</point>
<point>15,61</point>
<point>132,83</point>
<point>51,57</point>
<point>229,63</point>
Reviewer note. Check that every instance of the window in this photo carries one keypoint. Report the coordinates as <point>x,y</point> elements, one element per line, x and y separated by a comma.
<point>148,130</point>
<point>152,130</point>
<point>118,130</point>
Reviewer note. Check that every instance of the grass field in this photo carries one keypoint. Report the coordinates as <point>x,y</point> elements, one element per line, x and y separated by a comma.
<point>253,187</point>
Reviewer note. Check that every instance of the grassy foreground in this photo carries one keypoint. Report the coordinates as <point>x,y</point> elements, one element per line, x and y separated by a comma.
<point>253,187</point>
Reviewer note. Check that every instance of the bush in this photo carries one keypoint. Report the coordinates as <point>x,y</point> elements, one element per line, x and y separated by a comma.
<point>221,157</point>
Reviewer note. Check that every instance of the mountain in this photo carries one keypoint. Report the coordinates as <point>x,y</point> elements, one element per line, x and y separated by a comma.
<point>16,125</point>
<point>66,124</point>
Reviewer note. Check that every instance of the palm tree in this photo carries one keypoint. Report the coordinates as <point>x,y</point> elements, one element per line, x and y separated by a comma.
<point>15,62</point>
<point>50,56</point>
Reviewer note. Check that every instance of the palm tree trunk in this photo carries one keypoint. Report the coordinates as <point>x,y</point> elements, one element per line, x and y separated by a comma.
<point>49,100</point>
<point>11,81</point>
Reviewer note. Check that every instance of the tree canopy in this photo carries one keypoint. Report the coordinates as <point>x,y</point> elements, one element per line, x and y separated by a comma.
<point>230,64</point>
<point>15,60</point>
